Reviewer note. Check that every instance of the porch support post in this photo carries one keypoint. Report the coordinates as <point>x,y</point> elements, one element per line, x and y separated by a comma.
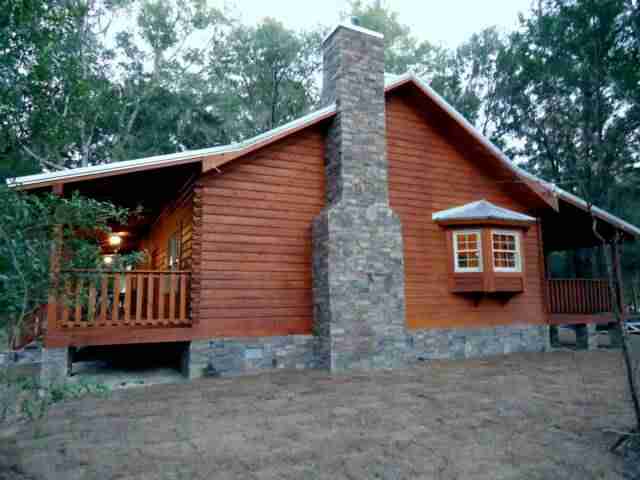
<point>196,359</point>
<point>55,361</point>
<point>615,331</point>
<point>586,337</point>
<point>554,336</point>
<point>615,335</point>
<point>56,366</point>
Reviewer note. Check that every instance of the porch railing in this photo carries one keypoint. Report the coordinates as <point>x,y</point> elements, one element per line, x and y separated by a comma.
<point>579,296</point>
<point>140,297</point>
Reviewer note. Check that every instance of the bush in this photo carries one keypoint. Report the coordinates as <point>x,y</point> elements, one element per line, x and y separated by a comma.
<point>23,398</point>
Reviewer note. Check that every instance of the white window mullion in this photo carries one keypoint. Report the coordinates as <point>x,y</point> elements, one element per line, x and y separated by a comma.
<point>506,251</point>
<point>467,251</point>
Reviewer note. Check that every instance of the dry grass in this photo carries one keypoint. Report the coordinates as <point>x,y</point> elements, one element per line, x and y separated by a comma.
<point>527,416</point>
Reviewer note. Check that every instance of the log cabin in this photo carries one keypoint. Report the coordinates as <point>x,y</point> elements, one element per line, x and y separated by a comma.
<point>380,229</point>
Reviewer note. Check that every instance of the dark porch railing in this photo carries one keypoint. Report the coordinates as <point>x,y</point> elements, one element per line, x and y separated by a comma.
<point>578,296</point>
<point>136,298</point>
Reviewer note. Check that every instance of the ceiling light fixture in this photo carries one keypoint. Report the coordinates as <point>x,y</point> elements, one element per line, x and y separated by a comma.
<point>115,240</point>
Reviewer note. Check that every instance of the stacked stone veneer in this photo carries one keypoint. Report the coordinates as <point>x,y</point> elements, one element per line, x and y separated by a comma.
<point>56,364</point>
<point>449,343</point>
<point>358,266</point>
<point>238,356</point>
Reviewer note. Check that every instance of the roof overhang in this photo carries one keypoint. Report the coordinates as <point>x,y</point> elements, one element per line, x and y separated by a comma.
<point>210,157</point>
<point>482,212</point>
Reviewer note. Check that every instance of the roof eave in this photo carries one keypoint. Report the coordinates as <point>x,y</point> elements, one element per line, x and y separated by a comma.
<point>504,222</point>
<point>545,190</point>
<point>212,156</point>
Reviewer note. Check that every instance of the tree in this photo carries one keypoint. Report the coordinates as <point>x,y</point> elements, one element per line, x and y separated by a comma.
<point>31,228</point>
<point>73,98</point>
<point>567,91</point>
<point>464,77</point>
<point>56,106</point>
<point>263,76</point>
<point>165,102</point>
<point>475,82</point>
<point>564,92</point>
<point>403,52</point>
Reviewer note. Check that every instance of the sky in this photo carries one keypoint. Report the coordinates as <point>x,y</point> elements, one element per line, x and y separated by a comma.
<point>446,22</point>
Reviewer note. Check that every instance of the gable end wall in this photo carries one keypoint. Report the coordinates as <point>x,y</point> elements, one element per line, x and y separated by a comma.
<point>428,173</point>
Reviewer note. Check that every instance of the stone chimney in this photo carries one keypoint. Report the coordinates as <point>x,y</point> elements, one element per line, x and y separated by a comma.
<point>358,266</point>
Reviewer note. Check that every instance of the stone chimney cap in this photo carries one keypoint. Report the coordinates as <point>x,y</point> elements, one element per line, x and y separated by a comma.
<point>355,28</point>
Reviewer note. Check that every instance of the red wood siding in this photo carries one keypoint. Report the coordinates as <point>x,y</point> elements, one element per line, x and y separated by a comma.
<point>427,173</point>
<point>175,219</point>
<point>253,236</point>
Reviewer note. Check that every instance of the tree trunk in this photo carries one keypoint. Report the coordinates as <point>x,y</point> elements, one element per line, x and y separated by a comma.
<point>617,294</point>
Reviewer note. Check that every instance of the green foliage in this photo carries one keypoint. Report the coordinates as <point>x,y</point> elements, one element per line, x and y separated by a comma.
<point>264,76</point>
<point>567,90</point>
<point>80,87</point>
<point>474,85</point>
<point>23,397</point>
<point>464,77</point>
<point>163,97</point>
<point>403,52</point>
<point>31,227</point>
<point>55,105</point>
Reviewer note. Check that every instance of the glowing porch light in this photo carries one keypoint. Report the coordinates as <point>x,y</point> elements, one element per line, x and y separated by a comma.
<point>107,259</point>
<point>115,240</point>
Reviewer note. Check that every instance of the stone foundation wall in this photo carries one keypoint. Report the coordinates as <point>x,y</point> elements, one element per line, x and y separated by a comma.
<point>55,366</point>
<point>237,356</point>
<point>449,343</point>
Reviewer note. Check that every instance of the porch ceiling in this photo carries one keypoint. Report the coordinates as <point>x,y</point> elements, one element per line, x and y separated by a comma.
<point>150,190</point>
<point>571,228</point>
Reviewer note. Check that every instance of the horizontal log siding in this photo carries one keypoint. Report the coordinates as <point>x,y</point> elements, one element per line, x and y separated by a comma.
<point>428,173</point>
<point>174,219</point>
<point>253,240</point>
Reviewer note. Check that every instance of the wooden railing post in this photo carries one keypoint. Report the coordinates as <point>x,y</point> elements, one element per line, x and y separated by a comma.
<point>579,296</point>
<point>54,274</point>
<point>151,297</point>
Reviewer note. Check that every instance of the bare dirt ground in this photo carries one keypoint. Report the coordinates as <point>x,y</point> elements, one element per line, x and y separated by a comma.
<point>525,416</point>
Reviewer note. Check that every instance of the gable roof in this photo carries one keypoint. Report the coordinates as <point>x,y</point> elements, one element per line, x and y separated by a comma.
<point>214,157</point>
<point>549,192</point>
<point>481,210</point>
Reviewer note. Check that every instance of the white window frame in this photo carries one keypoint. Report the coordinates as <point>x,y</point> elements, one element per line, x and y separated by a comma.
<point>518,251</point>
<point>454,239</point>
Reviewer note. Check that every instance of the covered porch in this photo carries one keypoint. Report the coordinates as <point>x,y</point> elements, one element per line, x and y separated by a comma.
<point>578,291</point>
<point>149,302</point>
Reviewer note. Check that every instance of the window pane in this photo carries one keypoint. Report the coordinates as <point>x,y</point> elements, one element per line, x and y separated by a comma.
<point>505,250</point>
<point>467,250</point>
